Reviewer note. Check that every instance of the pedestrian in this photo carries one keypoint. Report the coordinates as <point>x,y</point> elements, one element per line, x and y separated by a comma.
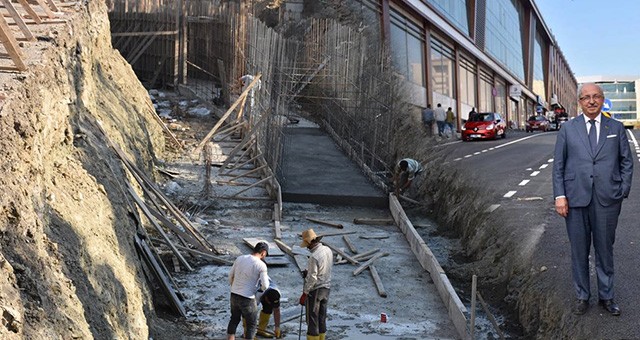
<point>440,117</point>
<point>427,118</point>
<point>270,301</point>
<point>450,120</point>
<point>317,283</point>
<point>245,273</point>
<point>472,112</point>
<point>592,172</point>
<point>406,171</point>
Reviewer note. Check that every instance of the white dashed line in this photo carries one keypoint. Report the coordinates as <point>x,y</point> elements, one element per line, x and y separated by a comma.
<point>524,182</point>
<point>492,208</point>
<point>544,166</point>
<point>476,153</point>
<point>509,194</point>
<point>467,156</point>
<point>550,160</point>
<point>535,173</point>
<point>457,159</point>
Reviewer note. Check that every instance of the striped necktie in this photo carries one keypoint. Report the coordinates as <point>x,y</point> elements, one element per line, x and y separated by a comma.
<point>593,137</point>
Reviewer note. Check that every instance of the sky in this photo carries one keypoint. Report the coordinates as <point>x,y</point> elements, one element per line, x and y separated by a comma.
<point>596,37</point>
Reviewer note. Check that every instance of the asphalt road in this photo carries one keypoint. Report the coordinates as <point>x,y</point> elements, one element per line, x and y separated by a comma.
<point>518,170</point>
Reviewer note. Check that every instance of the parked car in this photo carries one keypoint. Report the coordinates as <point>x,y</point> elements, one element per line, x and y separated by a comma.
<point>484,125</point>
<point>561,121</point>
<point>538,122</point>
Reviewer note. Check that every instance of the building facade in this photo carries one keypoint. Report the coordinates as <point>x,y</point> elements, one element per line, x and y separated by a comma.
<point>622,100</point>
<point>491,55</point>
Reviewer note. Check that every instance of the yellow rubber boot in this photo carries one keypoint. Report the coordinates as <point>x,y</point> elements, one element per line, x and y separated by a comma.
<point>262,325</point>
<point>313,337</point>
<point>321,336</point>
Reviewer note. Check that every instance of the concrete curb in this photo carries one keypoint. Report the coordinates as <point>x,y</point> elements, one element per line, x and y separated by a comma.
<point>457,310</point>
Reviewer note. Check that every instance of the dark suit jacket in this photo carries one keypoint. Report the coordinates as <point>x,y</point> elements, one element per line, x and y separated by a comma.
<point>576,170</point>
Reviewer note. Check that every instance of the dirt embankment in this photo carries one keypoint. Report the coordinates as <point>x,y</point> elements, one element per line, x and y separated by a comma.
<point>500,249</point>
<point>67,260</point>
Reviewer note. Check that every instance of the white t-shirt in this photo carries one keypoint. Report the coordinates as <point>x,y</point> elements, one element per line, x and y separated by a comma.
<point>244,276</point>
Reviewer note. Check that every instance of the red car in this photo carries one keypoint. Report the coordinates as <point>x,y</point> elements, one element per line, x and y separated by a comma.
<point>538,122</point>
<point>484,125</point>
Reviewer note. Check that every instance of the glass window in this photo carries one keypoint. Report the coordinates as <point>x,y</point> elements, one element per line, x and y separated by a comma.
<point>455,11</point>
<point>442,68</point>
<point>407,46</point>
<point>538,69</point>
<point>486,92</point>
<point>503,36</point>
<point>501,97</point>
<point>467,82</point>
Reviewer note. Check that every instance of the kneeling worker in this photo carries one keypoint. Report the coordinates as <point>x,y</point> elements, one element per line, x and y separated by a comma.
<point>270,300</point>
<point>406,170</point>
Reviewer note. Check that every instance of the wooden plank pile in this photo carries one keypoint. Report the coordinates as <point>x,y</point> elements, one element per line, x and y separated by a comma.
<point>36,13</point>
<point>301,255</point>
<point>169,223</point>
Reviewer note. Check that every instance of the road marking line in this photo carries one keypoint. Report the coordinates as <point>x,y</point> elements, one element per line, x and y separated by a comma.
<point>544,166</point>
<point>476,153</point>
<point>535,173</point>
<point>495,147</point>
<point>457,159</point>
<point>509,194</point>
<point>550,160</point>
<point>492,208</point>
<point>524,182</point>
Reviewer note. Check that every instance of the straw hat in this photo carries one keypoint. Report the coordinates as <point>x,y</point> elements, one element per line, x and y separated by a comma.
<point>308,236</point>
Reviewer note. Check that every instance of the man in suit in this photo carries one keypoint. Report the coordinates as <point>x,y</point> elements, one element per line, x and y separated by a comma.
<point>592,172</point>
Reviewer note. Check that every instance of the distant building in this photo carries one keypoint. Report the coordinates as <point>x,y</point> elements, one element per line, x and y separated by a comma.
<point>621,91</point>
<point>496,55</point>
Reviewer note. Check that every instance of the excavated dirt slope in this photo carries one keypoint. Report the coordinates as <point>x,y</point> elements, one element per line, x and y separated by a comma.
<point>68,267</point>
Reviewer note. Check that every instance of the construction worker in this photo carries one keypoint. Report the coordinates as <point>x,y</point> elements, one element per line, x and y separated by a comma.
<point>317,282</point>
<point>270,301</point>
<point>406,171</point>
<point>246,272</point>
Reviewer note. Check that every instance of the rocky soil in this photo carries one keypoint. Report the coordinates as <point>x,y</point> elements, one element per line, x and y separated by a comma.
<point>67,261</point>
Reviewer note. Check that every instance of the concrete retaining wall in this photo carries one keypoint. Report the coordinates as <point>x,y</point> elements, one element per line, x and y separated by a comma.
<point>457,310</point>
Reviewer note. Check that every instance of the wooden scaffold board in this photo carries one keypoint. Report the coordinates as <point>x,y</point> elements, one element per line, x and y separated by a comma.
<point>11,45</point>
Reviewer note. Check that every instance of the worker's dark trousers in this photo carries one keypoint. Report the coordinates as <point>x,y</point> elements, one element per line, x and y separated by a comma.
<point>242,307</point>
<point>317,311</point>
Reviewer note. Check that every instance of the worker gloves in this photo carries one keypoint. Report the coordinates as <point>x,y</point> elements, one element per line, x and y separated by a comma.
<point>303,298</point>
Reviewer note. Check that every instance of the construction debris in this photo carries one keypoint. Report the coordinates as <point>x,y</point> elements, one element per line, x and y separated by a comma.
<point>327,223</point>
<point>373,221</point>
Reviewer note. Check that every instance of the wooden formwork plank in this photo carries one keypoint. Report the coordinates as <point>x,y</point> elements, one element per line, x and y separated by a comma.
<point>226,115</point>
<point>18,20</point>
<point>11,45</point>
<point>52,5</point>
<point>376,279</point>
<point>46,9</point>
<point>350,244</point>
<point>276,219</point>
<point>164,235</point>
<point>163,277</point>
<point>368,263</point>
<point>32,13</point>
